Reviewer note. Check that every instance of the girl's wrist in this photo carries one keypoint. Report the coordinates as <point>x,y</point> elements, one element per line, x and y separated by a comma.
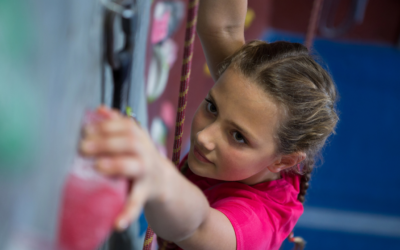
<point>165,173</point>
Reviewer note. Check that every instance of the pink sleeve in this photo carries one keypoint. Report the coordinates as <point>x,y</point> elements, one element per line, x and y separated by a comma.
<point>249,220</point>
<point>261,219</point>
<point>251,213</point>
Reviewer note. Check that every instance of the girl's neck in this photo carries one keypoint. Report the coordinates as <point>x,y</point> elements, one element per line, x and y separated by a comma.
<point>265,177</point>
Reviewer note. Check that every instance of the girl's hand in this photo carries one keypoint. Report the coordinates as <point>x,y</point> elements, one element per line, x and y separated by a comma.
<point>121,148</point>
<point>176,209</point>
<point>220,26</point>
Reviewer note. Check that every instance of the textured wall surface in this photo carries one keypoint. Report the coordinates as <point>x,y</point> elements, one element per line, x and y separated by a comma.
<point>50,73</point>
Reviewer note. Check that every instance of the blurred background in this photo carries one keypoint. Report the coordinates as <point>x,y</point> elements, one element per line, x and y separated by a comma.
<point>53,67</point>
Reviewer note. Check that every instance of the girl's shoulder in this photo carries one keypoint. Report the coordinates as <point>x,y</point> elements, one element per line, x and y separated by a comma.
<point>289,183</point>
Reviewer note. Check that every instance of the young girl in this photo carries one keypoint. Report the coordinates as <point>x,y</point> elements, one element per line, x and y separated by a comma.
<point>253,142</point>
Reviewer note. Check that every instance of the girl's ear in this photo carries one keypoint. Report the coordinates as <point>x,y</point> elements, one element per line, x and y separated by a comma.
<point>287,161</point>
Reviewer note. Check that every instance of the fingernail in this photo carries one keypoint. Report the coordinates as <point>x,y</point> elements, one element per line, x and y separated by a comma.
<point>90,129</point>
<point>88,146</point>
<point>122,224</point>
<point>104,163</point>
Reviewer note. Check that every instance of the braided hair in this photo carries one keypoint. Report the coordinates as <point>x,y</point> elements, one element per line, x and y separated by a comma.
<point>305,93</point>
<point>302,89</point>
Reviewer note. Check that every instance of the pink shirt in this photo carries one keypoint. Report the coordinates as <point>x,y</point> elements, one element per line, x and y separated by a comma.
<point>262,215</point>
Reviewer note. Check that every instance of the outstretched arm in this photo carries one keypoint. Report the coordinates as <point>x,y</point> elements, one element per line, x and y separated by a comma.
<point>220,27</point>
<point>176,209</point>
<point>182,215</point>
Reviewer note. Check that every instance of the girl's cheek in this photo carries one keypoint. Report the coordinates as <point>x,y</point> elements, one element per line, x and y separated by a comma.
<point>232,162</point>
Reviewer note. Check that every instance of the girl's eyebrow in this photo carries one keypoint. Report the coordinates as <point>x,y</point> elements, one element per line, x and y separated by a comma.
<point>232,123</point>
<point>241,130</point>
<point>211,96</point>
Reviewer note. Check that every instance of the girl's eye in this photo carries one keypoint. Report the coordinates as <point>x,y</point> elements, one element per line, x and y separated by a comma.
<point>238,137</point>
<point>211,107</point>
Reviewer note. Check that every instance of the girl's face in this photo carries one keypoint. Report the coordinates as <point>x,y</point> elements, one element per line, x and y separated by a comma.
<point>232,135</point>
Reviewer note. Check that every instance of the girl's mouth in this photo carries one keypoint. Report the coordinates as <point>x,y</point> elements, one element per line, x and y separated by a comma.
<point>199,156</point>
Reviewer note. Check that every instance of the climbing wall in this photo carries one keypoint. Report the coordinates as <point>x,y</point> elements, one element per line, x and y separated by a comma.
<point>51,70</point>
<point>50,73</point>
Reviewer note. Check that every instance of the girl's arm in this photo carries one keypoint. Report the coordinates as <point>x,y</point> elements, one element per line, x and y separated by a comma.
<point>176,209</point>
<point>181,214</point>
<point>220,27</point>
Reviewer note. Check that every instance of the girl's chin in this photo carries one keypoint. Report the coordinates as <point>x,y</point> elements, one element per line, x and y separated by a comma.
<point>198,169</point>
<point>194,165</point>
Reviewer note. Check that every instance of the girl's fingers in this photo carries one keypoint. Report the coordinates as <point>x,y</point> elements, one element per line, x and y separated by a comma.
<point>111,145</point>
<point>120,166</point>
<point>107,112</point>
<point>133,207</point>
<point>121,125</point>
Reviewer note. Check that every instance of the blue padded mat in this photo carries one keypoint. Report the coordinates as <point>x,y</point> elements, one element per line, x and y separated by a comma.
<point>333,240</point>
<point>361,169</point>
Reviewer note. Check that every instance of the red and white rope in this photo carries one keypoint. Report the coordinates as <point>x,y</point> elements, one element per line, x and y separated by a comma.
<point>180,118</point>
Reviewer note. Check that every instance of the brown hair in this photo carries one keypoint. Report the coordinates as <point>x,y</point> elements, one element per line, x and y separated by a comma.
<point>303,90</point>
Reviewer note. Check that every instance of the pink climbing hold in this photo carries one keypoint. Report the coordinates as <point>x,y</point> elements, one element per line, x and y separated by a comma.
<point>159,30</point>
<point>91,203</point>
<point>168,114</point>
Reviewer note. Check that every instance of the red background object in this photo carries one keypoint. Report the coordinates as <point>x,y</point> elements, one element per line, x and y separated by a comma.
<point>381,20</point>
<point>381,25</point>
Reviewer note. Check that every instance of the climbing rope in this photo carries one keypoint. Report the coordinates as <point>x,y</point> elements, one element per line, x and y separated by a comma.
<point>183,91</point>
<point>312,25</point>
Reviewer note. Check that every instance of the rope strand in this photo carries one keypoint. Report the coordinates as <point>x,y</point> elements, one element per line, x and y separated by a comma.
<point>314,20</point>
<point>180,117</point>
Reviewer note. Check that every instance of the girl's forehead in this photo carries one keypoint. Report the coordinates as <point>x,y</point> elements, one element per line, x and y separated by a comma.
<point>239,89</point>
<point>242,101</point>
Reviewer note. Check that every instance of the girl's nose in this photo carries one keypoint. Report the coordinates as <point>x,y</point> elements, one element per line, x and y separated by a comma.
<point>206,137</point>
